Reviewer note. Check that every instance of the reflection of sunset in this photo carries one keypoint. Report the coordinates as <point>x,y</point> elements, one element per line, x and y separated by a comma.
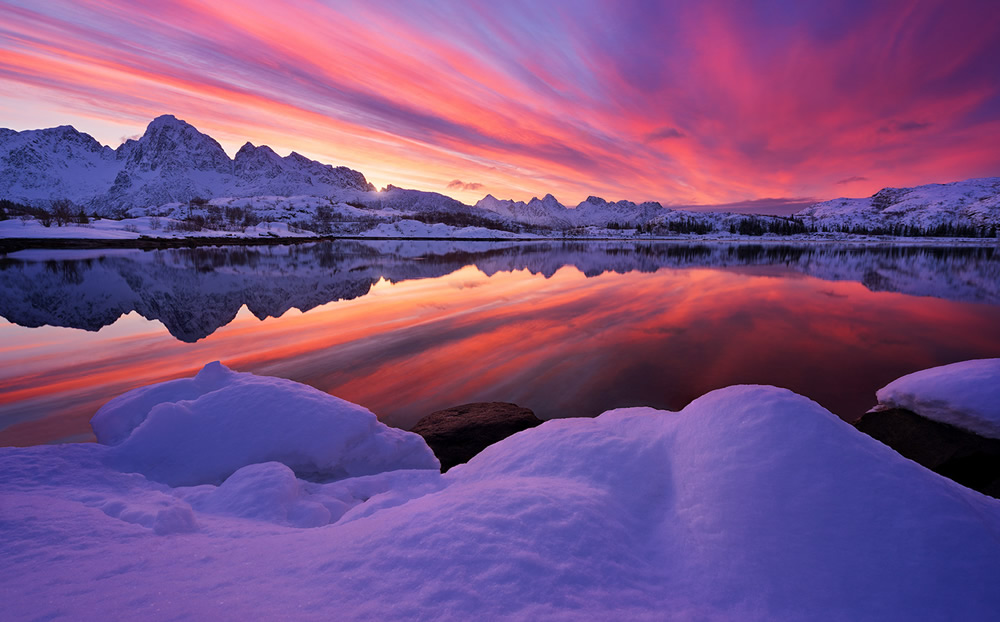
<point>565,345</point>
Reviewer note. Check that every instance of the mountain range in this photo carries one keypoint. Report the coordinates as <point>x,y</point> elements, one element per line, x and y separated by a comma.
<point>173,167</point>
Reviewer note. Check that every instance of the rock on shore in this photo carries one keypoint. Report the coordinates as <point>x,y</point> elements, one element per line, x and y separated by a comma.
<point>946,418</point>
<point>458,433</point>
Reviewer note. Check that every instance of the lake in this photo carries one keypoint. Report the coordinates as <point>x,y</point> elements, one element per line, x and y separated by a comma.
<point>568,329</point>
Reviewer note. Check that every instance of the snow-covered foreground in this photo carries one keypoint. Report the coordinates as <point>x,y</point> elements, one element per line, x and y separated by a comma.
<point>965,395</point>
<point>752,503</point>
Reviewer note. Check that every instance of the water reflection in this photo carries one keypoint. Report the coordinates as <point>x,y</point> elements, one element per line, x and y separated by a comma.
<point>566,329</point>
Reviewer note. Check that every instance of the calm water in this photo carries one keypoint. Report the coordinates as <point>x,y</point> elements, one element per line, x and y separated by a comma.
<point>406,328</point>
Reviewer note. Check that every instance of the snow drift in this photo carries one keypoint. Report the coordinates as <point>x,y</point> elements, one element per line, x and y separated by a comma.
<point>201,430</point>
<point>751,503</point>
<point>965,395</point>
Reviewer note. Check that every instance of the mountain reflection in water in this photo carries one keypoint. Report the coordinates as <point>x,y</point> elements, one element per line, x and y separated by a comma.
<point>567,329</point>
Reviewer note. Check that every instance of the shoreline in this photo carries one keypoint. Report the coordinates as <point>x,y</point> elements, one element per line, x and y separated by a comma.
<point>11,245</point>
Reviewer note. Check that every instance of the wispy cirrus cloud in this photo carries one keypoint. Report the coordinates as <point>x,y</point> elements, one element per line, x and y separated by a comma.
<point>851,180</point>
<point>573,98</point>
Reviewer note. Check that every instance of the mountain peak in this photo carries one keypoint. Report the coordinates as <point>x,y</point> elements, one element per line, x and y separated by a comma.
<point>166,119</point>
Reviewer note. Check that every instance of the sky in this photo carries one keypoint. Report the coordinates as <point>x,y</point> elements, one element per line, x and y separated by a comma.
<point>756,105</point>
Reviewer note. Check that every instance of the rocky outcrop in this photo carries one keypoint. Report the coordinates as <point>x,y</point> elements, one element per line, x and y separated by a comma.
<point>965,457</point>
<point>457,434</point>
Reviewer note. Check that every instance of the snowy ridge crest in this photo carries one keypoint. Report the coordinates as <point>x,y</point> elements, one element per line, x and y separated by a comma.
<point>171,162</point>
<point>974,202</point>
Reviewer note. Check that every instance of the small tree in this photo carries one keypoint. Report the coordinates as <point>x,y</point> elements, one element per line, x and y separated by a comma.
<point>81,218</point>
<point>62,211</point>
<point>323,218</point>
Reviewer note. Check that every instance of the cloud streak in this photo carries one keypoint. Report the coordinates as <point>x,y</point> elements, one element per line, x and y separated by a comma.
<point>458,184</point>
<point>573,98</point>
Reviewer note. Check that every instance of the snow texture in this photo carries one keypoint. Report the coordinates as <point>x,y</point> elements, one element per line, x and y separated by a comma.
<point>202,430</point>
<point>965,395</point>
<point>752,503</point>
<point>415,229</point>
<point>971,202</point>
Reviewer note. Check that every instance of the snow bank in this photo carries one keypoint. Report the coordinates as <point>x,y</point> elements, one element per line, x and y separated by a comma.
<point>99,230</point>
<point>752,503</point>
<point>965,395</point>
<point>201,430</point>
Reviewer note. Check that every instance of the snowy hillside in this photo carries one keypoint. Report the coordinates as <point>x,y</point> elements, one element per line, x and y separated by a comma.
<point>43,165</point>
<point>973,202</point>
<point>231,496</point>
<point>172,161</point>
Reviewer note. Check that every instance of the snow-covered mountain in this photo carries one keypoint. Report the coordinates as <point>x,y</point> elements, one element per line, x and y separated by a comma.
<point>171,162</point>
<point>973,202</point>
<point>38,166</point>
<point>546,212</point>
<point>594,211</point>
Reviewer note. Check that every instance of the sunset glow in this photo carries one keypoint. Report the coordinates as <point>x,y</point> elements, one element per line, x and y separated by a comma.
<point>684,103</point>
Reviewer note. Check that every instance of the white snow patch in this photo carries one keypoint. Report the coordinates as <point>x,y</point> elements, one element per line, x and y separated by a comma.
<point>965,395</point>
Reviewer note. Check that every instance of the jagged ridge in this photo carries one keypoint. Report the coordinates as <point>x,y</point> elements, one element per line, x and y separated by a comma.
<point>171,162</point>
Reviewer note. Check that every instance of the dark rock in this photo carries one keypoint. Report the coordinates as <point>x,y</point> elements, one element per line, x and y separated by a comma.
<point>457,434</point>
<point>960,455</point>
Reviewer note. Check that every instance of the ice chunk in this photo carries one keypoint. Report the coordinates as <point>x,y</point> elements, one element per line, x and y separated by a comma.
<point>201,431</point>
<point>965,395</point>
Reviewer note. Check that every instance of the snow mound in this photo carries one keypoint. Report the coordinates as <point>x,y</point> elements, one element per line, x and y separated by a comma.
<point>201,430</point>
<point>965,395</point>
<point>269,492</point>
<point>752,503</point>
